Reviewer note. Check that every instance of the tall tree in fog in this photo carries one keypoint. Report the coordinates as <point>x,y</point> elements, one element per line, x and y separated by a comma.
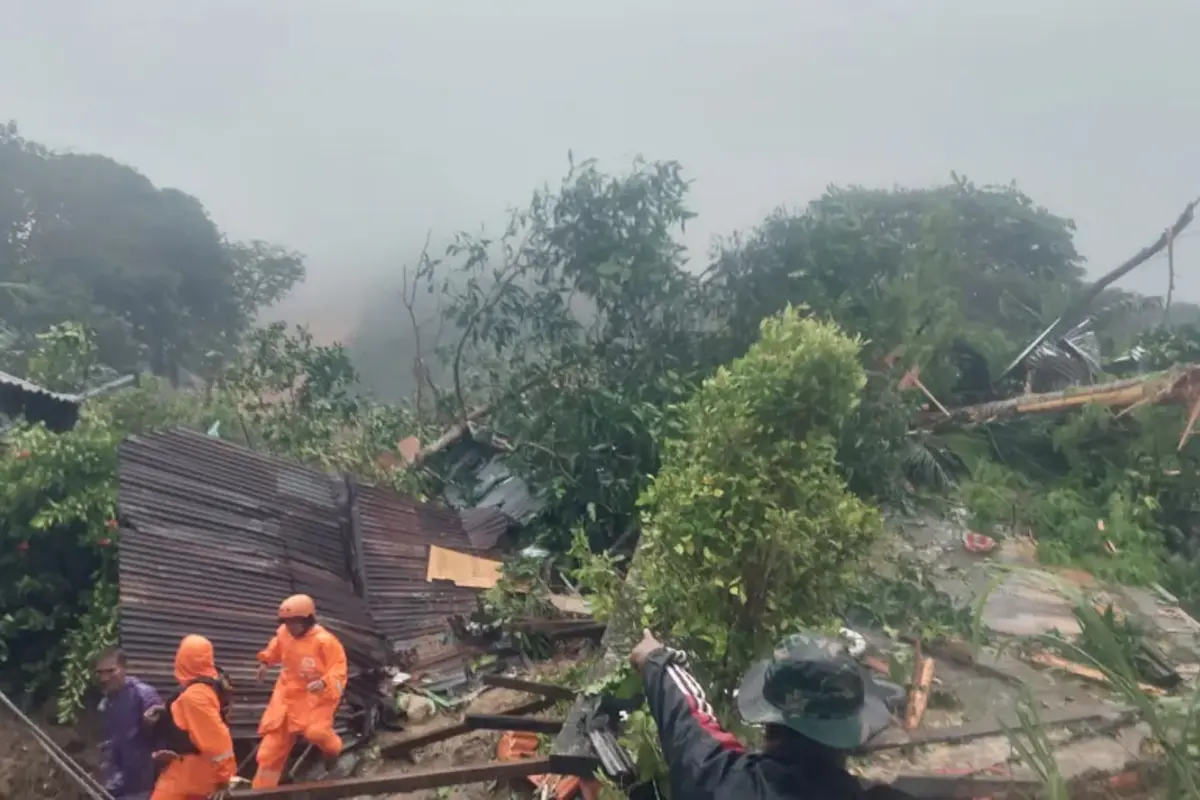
<point>91,240</point>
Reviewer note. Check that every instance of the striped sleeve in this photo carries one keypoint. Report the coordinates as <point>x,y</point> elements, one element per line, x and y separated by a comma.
<point>705,760</point>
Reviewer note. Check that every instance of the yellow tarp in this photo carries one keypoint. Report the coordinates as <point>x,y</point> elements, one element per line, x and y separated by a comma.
<point>462,569</point>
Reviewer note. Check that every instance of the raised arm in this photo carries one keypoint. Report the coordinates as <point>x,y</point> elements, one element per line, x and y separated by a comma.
<point>272,654</point>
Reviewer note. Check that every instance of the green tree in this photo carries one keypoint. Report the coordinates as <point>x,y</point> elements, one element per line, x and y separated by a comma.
<point>93,241</point>
<point>578,327</point>
<point>58,532</point>
<point>749,531</point>
<point>925,268</point>
<point>300,400</point>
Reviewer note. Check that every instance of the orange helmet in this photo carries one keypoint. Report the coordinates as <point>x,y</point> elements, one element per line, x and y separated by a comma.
<point>298,606</point>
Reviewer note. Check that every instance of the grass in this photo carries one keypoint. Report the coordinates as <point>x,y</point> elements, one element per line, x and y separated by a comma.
<point>1174,722</point>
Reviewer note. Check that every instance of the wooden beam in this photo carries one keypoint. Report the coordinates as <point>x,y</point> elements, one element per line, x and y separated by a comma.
<point>428,734</point>
<point>415,781</point>
<point>548,690</point>
<point>966,787</point>
<point>507,722</point>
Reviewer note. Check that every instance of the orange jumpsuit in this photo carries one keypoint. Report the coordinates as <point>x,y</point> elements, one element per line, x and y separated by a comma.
<point>198,712</point>
<point>294,709</point>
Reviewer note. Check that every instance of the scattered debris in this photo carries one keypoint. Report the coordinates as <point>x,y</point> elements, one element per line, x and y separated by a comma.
<point>918,696</point>
<point>1085,672</point>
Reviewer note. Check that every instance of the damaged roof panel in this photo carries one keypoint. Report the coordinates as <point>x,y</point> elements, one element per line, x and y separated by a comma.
<point>396,533</point>
<point>20,398</point>
<point>213,537</point>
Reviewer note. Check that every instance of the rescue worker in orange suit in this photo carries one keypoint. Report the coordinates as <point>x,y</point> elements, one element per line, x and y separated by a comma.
<point>310,685</point>
<point>197,712</point>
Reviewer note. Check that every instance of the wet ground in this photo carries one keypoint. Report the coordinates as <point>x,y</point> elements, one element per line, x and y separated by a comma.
<point>1020,598</point>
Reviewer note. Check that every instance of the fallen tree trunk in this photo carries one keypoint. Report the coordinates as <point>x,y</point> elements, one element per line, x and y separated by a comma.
<point>1179,385</point>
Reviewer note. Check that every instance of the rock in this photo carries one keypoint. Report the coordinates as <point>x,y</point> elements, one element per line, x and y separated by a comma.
<point>419,709</point>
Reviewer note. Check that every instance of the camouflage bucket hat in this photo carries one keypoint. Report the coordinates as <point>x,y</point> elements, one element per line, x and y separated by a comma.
<point>813,687</point>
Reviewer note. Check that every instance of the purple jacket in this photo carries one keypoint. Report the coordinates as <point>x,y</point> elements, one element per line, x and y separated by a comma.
<point>128,768</point>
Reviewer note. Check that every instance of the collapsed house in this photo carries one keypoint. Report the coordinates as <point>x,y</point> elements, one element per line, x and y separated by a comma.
<point>214,536</point>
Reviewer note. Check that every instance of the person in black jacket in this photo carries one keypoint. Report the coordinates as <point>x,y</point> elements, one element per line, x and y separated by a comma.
<point>814,702</point>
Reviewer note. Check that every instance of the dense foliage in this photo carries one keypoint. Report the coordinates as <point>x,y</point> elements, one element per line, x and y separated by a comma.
<point>582,344</point>
<point>58,532</point>
<point>749,518</point>
<point>578,327</point>
<point>92,241</point>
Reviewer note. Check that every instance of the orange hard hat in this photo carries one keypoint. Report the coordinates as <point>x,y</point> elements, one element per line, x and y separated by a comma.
<point>298,606</point>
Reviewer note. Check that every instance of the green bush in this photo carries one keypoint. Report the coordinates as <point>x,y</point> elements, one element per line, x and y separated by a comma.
<point>749,530</point>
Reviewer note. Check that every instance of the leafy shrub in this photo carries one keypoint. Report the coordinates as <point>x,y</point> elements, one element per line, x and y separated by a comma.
<point>749,531</point>
<point>57,531</point>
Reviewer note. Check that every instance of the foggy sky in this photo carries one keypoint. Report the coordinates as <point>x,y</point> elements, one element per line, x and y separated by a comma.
<point>347,129</point>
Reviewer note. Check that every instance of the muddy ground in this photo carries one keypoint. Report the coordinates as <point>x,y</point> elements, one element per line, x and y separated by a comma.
<point>26,771</point>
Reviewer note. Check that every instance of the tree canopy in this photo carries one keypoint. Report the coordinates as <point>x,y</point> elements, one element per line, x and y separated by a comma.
<point>742,411</point>
<point>92,241</point>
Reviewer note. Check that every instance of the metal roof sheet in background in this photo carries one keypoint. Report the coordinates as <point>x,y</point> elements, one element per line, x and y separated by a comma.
<point>19,397</point>
<point>485,527</point>
<point>213,537</point>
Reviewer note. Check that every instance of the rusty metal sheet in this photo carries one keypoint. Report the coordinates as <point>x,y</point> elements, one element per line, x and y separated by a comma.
<point>395,534</point>
<point>213,536</point>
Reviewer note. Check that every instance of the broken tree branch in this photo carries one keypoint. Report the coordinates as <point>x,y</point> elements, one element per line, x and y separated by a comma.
<point>1081,304</point>
<point>1175,386</point>
<point>1170,276</point>
<point>408,297</point>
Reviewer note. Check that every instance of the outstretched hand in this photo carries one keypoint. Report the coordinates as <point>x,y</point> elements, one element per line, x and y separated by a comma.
<point>645,647</point>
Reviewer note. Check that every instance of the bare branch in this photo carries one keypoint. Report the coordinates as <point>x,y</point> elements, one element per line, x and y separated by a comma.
<point>408,296</point>
<point>1085,300</point>
<point>509,273</point>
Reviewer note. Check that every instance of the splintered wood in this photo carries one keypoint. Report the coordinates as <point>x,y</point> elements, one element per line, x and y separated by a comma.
<point>918,694</point>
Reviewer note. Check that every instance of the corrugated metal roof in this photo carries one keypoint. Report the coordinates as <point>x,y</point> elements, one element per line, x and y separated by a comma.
<point>410,612</point>
<point>213,537</point>
<point>19,397</point>
<point>492,486</point>
<point>485,527</point>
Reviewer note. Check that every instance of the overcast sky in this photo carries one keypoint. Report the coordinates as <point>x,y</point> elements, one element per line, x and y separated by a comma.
<point>346,129</point>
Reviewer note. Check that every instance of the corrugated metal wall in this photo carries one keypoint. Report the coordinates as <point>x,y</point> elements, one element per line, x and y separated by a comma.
<point>214,536</point>
<point>410,612</point>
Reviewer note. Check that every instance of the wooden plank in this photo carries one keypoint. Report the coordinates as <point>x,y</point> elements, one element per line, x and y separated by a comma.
<point>996,727</point>
<point>1085,672</point>
<point>461,569</point>
<point>965,787</point>
<point>507,722</point>
<point>415,781</point>
<point>549,690</point>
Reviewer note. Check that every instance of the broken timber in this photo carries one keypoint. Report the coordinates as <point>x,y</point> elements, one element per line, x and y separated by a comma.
<point>405,781</point>
<point>953,786</point>
<point>1178,385</point>
<point>509,722</point>
<point>428,734</point>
